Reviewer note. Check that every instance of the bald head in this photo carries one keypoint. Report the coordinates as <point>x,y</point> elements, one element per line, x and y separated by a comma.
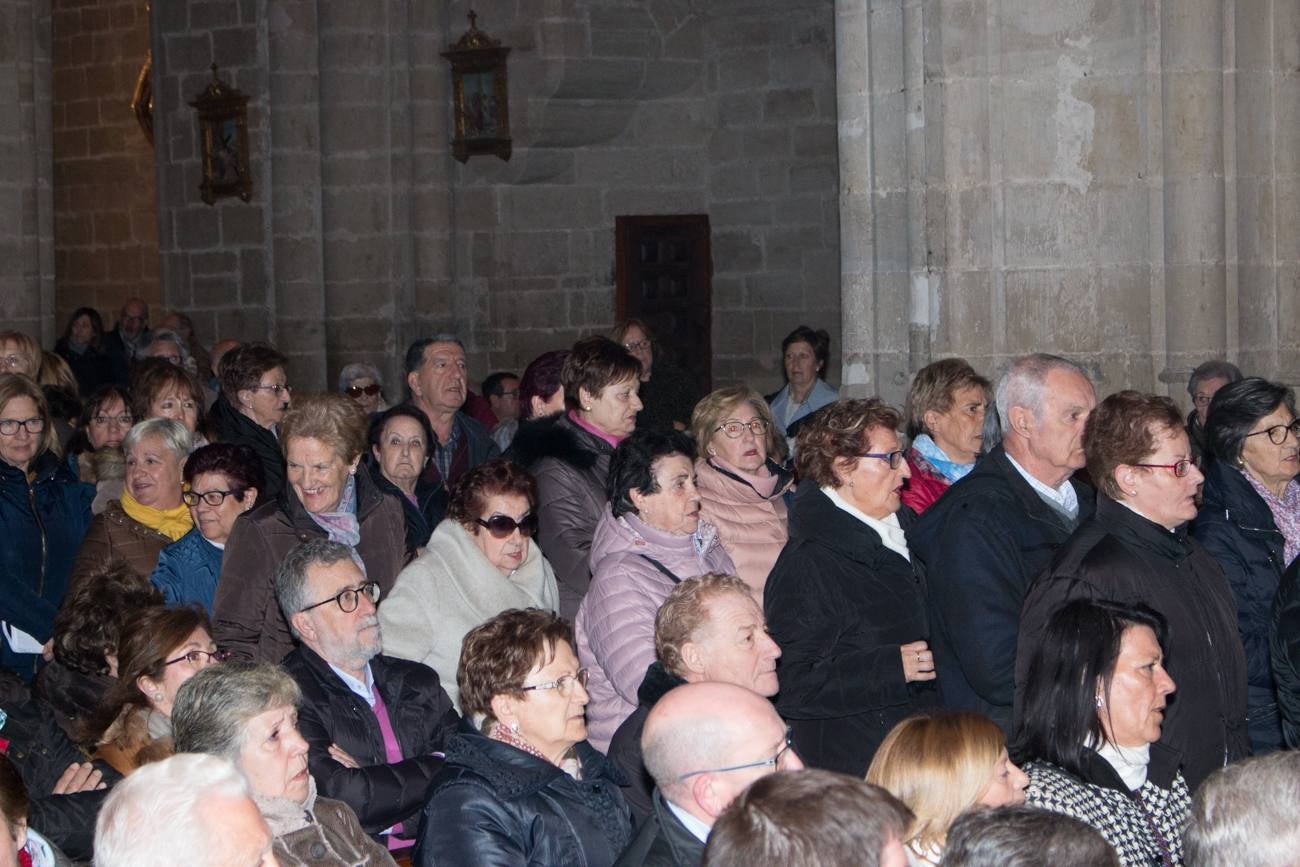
<point>696,736</point>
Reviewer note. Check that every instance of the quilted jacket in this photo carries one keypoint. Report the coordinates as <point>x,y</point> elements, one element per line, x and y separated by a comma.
<point>752,528</point>
<point>188,570</point>
<point>615,628</point>
<point>116,536</point>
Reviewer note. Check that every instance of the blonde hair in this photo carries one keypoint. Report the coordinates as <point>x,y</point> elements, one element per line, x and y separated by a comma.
<point>939,765</point>
<point>55,371</point>
<point>333,418</point>
<point>27,347</point>
<point>14,385</point>
<point>716,405</point>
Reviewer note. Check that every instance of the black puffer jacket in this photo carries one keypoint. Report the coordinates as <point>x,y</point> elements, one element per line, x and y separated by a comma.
<point>422,516</point>
<point>494,804</point>
<point>1284,642</point>
<point>1236,527</point>
<point>422,717</point>
<point>1121,556</point>
<point>571,466</point>
<point>983,543</point>
<point>840,604</point>
<point>625,746</point>
<point>229,425</point>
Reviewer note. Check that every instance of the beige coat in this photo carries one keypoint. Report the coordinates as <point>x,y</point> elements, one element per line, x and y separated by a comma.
<point>752,528</point>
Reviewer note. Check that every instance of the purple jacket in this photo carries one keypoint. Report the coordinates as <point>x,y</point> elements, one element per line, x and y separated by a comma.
<point>616,622</point>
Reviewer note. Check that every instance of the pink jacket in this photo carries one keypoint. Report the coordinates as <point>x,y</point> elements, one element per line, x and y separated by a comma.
<point>615,626</point>
<point>752,528</point>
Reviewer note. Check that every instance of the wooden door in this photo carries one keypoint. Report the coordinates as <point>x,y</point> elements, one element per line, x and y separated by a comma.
<point>664,277</point>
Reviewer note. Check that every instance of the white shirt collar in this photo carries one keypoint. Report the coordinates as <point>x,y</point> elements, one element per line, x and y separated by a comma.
<point>1063,495</point>
<point>364,690</point>
<point>888,529</point>
<point>697,828</point>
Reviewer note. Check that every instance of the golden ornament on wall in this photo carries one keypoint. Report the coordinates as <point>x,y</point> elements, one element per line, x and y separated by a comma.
<point>479,94</point>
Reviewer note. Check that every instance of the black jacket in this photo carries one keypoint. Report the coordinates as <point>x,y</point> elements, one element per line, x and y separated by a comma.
<point>839,604</point>
<point>229,425</point>
<point>422,717</point>
<point>41,752</point>
<point>494,804</point>
<point>662,841</point>
<point>1284,642</point>
<point>93,368</point>
<point>982,543</point>
<point>1236,527</point>
<point>625,746</point>
<point>1121,556</point>
<point>422,516</point>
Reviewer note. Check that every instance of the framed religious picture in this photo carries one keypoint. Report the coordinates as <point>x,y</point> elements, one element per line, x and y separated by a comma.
<point>479,94</point>
<point>223,140</point>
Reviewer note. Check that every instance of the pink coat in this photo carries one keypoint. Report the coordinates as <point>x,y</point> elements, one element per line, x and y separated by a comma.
<point>615,626</point>
<point>752,528</point>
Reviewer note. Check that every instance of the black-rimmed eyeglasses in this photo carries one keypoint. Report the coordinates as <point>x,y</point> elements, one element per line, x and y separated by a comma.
<point>774,762</point>
<point>358,390</point>
<point>894,458</point>
<point>9,426</point>
<point>504,526</point>
<point>212,498</point>
<point>349,599</point>
<point>1277,433</point>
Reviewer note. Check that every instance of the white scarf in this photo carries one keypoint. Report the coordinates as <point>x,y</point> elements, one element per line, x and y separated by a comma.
<point>888,529</point>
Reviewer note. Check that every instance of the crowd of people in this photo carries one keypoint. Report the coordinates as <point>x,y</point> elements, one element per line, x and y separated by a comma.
<point>587,617</point>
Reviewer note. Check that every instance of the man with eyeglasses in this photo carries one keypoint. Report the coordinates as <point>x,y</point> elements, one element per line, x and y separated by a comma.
<point>502,393</point>
<point>375,725</point>
<point>130,338</point>
<point>703,743</point>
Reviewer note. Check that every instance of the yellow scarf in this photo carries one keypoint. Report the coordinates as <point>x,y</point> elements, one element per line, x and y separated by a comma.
<point>172,523</point>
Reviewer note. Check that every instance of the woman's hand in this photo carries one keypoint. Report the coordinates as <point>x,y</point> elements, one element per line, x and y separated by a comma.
<point>918,661</point>
<point>338,754</point>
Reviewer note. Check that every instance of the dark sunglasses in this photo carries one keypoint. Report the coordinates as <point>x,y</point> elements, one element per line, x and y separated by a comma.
<point>358,390</point>
<point>503,526</point>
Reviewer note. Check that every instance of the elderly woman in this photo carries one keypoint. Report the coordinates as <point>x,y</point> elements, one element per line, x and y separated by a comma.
<point>667,392</point>
<point>650,539</point>
<point>569,457</point>
<point>401,440</point>
<point>222,481</point>
<point>323,437</point>
<point>941,765</point>
<point>160,389</point>
<point>44,513</point>
<point>82,347</point>
<point>1094,703</point>
<point>248,714</point>
<point>1249,521</point>
<point>1205,381</point>
<point>151,514</point>
<point>945,421</point>
<point>1136,549</point>
<point>254,398</point>
<point>19,353</point>
<point>523,786</point>
<point>362,383</point>
<point>740,479</point>
<point>804,355</point>
<point>159,649</point>
<point>845,601</point>
<point>95,450</point>
<point>480,562</point>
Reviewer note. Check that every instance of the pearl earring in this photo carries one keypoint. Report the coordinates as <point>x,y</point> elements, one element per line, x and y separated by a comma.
<point>586,408</point>
<point>157,696</point>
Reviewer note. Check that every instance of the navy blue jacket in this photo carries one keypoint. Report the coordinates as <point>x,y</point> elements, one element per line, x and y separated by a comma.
<point>188,570</point>
<point>1284,641</point>
<point>983,543</point>
<point>41,526</point>
<point>1236,527</point>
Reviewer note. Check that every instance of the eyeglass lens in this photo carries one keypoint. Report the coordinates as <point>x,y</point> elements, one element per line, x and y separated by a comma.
<point>503,526</point>
<point>9,426</point>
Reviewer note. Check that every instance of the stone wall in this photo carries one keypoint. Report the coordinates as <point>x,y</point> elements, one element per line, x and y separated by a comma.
<point>105,220</point>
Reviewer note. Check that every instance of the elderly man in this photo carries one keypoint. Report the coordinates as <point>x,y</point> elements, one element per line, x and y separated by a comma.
<point>191,809</point>
<point>709,628</point>
<point>374,725</point>
<point>1206,379</point>
<point>703,744</point>
<point>436,378</point>
<point>1245,814</point>
<point>991,533</point>
<point>130,337</point>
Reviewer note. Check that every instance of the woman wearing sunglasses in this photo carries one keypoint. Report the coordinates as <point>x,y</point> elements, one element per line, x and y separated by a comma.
<point>1135,549</point>
<point>845,602</point>
<point>362,383</point>
<point>521,785</point>
<point>159,649</point>
<point>221,483</point>
<point>480,561</point>
<point>1249,521</point>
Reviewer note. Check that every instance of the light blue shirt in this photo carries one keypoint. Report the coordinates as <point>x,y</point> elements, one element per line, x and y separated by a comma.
<point>697,828</point>
<point>364,690</point>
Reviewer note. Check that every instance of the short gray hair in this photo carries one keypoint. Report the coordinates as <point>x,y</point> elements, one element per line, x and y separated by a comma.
<point>1213,369</point>
<point>291,574</point>
<point>1244,814</point>
<point>359,370</point>
<point>167,334</point>
<point>174,435</point>
<point>213,707</point>
<point>171,798</point>
<point>1022,384</point>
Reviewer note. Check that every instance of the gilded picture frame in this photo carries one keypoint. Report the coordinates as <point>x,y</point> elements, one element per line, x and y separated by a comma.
<point>480,95</point>
<point>223,140</point>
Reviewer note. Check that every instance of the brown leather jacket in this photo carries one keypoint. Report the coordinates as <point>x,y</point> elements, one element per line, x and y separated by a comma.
<point>334,839</point>
<point>115,535</point>
<point>245,617</point>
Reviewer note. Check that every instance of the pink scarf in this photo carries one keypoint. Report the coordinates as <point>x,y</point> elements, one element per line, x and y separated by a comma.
<point>595,431</point>
<point>1286,513</point>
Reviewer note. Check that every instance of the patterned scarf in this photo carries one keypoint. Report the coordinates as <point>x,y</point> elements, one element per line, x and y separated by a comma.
<point>1286,513</point>
<point>341,525</point>
<point>949,469</point>
<point>569,764</point>
<point>172,523</point>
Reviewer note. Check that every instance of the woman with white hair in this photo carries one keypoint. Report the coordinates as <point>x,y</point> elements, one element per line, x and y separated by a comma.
<point>362,382</point>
